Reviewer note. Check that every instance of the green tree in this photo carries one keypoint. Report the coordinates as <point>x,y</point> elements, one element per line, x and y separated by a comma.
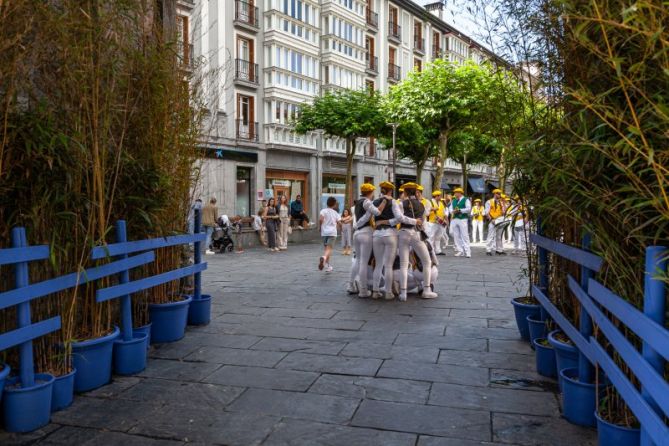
<point>445,97</point>
<point>472,146</point>
<point>413,142</point>
<point>346,114</point>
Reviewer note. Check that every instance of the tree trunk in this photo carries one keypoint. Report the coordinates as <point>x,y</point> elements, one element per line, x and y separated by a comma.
<point>441,157</point>
<point>350,151</point>
<point>501,170</point>
<point>420,163</point>
<point>463,166</point>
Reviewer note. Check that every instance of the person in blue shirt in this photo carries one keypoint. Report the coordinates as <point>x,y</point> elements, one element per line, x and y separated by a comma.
<point>297,213</point>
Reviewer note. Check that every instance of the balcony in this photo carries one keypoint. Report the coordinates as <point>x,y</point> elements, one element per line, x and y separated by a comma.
<point>185,54</point>
<point>246,72</point>
<point>419,45</point>
<point>246,15</point>
<point>437,52</point>
<point>394,72</point>
<point>394,32</point>
<point>372,64</point>
<point>247,130</point>
<point>372,19</point>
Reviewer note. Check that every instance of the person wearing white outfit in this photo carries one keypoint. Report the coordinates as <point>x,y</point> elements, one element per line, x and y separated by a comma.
<point>494,211</point>
<point>447,227</point>
<point>460,209</point>
<point>438,217</point>
<point>477,222</point>
<point>364,210</point>
<point>410,238</point>
<point>385,239</point>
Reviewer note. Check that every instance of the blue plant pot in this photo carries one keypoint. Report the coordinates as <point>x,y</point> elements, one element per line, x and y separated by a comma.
<point>566,355</point>
<point>521,311</point>
<point>545,359</point>
<point>613,435</point>
<point>578,398</point>
<point>168,321</point>
<point>537,328</point>
<point>27,409</point>
<point>63,391</point>
<point>145,329</point>
<point>199,311</point>
<point>130,356</point>
<point>93,361</point>
<point>4,373</point>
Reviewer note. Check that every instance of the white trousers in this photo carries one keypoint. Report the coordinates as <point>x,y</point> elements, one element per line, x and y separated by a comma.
<point>385,250</point>
<point>415,278</point>
<point>461,236</point>
<point>362,243</point>
<point>282,236</point>
<point>519,242</point>
<point>495,235</point>
<point>410,239</point>
<point>477,228</point>
<point>436,236</point>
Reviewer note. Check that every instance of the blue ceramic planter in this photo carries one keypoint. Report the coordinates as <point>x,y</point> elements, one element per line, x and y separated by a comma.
<point>146,329</point>
<point>130,356</point>
<point>578,398</point>
<point>168,321</point>
<point>4,373</point>
<point>545,359</point>
<point>537,328</point>
<point>63,391</point>
<point>613,435</point>
<point>28,409</point>
<point>93,361</point>
<point>521,312</point>
<point>566,355</point>
<point>199,311</point>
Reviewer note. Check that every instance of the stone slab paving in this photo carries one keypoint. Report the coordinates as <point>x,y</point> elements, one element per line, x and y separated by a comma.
<point>290,359</point>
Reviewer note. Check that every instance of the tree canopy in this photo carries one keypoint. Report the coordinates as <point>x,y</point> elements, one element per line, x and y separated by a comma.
<point>347,114</point>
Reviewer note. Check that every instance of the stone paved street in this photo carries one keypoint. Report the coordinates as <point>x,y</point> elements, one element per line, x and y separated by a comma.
<point>290,359</point>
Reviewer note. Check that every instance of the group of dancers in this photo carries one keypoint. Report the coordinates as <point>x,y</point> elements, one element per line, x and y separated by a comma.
<point>396,241</point>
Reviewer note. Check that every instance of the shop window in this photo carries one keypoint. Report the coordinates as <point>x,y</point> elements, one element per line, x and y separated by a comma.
<point>243,198</point>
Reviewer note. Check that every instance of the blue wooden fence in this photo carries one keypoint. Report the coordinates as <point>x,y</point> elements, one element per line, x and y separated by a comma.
<point>651,403</point>
<point>20,254</point>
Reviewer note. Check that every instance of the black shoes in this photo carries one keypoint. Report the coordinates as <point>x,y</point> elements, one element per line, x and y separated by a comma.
<point>488,253</point>
<point>500,253</point>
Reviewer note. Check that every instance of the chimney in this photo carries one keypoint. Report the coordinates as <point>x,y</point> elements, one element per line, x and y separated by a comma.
<point>436,8</point>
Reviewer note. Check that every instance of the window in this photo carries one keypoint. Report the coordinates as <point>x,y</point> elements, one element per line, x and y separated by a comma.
<point>243,197</point>
<point>417,65</point>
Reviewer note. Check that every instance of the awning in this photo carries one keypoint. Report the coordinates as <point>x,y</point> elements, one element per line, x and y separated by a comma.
<point>477,185</point>
<point>492,185</point>
<point>448,186</point>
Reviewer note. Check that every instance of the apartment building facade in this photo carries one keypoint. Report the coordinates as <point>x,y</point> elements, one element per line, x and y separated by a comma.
<point>265,59</point>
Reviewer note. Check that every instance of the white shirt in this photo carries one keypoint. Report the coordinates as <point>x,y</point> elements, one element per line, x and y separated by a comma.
<point>330,220</point>
<point>370,210</point>
<point>257,223</point>
<point>466,210</point>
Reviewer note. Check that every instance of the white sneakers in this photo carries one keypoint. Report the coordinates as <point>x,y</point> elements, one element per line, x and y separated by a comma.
<point>364,293</point>
<point>389,295</point>
<point>458,254</point>
<point>328,269</point>
<point>209,252</point>
<point>376,295</point>
<point>429,294</point>
<point>352,288</point>
<point>403,295</point>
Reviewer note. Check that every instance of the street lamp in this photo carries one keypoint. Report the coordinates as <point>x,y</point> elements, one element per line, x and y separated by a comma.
<point>391,177</point>
<point>319,171</point>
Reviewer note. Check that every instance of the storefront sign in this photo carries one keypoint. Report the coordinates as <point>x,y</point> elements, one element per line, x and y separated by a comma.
<point>229,154</point>
<point>281,183</point>
<point>336,186</point>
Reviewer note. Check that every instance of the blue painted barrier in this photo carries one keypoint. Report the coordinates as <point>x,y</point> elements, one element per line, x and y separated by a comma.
<point>650,404</point>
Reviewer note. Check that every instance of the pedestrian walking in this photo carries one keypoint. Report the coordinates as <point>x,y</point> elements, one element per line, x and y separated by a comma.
<point>495,210</point>
<point>346,232</point>
<point>271,218</point>
<point>460,209</point>
<point>329,221</point>
<point>477,222</point>
<point>209,216</point>
<point>284,222</point>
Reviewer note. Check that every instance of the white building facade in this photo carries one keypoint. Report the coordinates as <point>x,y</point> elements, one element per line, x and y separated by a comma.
<point>265,59</point>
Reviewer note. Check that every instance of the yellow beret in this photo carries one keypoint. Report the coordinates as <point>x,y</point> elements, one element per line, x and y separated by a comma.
<point>478,200</point>
<point>410,186</point>
<point>436,193</point>
<point>365,188</point>
<point>420,188</point>
<point>458,189</point>
<point>387,185</point>
<point>401,189</point>
<point>497,191</point>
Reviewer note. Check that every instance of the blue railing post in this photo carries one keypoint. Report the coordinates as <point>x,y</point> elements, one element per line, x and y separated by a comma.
<point>542,255</point>
<point>586,370</point>
<point>197,256</point>
<point>654,307</point>
<point>124,277</point>
<point>27,370</point>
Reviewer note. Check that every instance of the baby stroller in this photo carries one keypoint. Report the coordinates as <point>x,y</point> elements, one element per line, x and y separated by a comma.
<point>221,240</point>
